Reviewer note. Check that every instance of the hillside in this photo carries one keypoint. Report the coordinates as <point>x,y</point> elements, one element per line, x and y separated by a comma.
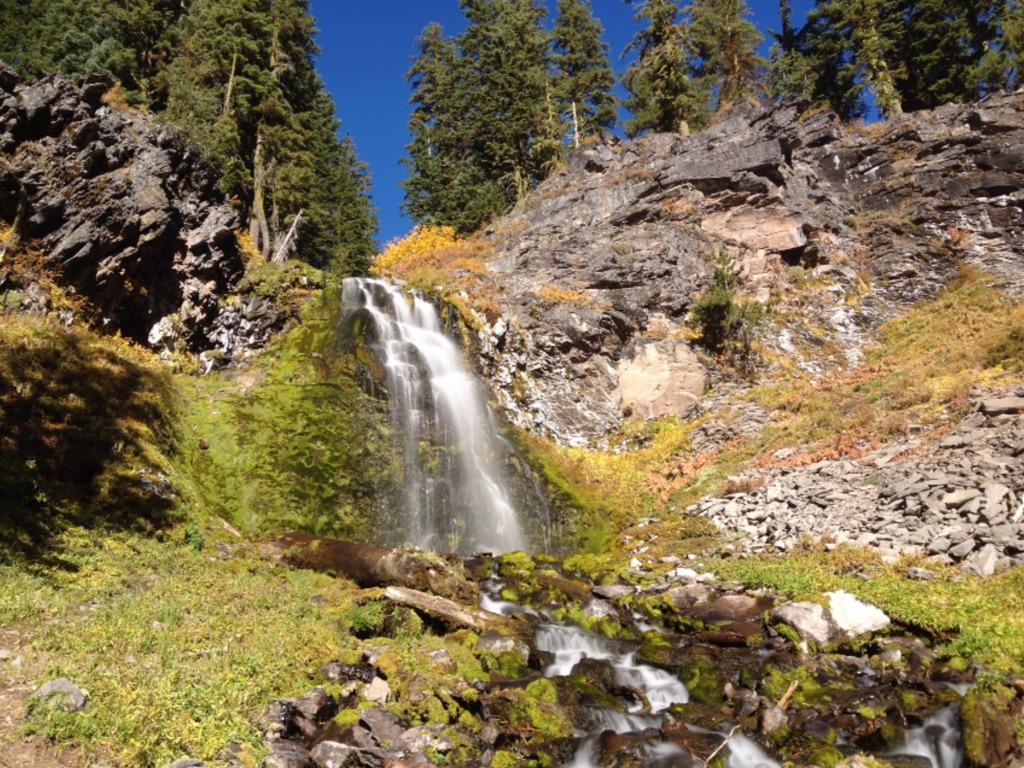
<point>851,403</point>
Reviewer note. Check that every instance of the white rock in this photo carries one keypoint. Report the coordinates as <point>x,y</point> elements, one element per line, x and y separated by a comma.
<point>378,691</point>
<point>808,619</point>
<point>854,617</point>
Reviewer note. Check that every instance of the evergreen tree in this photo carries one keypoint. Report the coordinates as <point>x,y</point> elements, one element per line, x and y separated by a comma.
<point>485,124</point>
<point>583,73</point>
<point>727,66</point>
<point>789,74</point>
<point>237,77</point>
<point>446,184</point>
<point>662,95</point>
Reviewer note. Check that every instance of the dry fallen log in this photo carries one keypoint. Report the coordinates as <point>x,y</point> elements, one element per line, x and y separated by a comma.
<point>455,615</point>
<point>370,566</point>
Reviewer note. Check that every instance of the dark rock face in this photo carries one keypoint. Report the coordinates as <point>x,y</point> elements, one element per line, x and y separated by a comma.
<point>604,259</point>
<point>125,211</point>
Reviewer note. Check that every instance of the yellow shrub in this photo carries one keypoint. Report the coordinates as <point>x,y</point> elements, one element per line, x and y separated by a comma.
<point>418,246</point>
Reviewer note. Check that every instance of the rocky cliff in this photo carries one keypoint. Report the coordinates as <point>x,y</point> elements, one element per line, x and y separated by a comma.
<point>127,215</point>
<point>600,265</point>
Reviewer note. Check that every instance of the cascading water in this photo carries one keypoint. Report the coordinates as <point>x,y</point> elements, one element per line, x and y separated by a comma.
<point>935,743</point>
<point>456,494</point>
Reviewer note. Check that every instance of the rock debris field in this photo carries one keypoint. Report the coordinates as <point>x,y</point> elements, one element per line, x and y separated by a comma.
<point>959,499</point>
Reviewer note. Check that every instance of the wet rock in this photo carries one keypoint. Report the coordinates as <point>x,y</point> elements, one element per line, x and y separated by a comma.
<point>61,693</point>
<point>499,643</point>
<point>773,719</point>
<point>731,608</point>
<point>613,591</point>
<point>990,720</point>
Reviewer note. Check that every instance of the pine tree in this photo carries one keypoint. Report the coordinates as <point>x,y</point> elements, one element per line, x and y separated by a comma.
<point>583,73</point>
<point>446,184</point>
<point>726,67</point>
<point>790,74</point>
<point>485,125</point>
<point>662,96</point>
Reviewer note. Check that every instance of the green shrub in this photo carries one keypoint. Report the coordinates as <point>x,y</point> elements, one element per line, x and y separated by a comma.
<point>723,324</point>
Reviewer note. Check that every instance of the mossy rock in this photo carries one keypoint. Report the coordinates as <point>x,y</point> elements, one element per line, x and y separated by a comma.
<point>529,713</point>
<point>515,564</point>
<point>991,718</point>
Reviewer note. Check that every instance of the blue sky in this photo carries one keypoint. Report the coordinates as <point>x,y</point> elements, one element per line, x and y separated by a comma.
<point>367,48</point>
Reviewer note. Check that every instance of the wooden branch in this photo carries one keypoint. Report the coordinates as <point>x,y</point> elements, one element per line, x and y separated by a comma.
<point>788,694</point>
<point>370,566</point>
<point>282,252</point>
<point>721,746</point>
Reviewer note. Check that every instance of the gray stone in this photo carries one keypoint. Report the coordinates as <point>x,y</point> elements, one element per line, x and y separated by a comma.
<point>187,762</point>
<point>498,643</point>
<point>287,754</point>
<point>920,574</point>
<point>330,754</point>
<point>962,549</point>
<point>1002,405</point>
<point>61,693</point>
<point>983,562</point>
<point>958,498</point>
<point>378,691</point>
<point>808,619</point>
<point>612,591</point>
<point>773,718</point>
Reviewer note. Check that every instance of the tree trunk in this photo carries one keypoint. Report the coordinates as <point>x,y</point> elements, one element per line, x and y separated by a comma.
<point>455,615</point>
<point>258,227</point>
<point>370,566</point>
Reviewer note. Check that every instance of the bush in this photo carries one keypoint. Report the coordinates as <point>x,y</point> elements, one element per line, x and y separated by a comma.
<point>724,325</point>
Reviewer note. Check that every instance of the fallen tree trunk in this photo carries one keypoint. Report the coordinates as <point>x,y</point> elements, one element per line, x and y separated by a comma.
<point>456,615</point>
<point>370,566</point>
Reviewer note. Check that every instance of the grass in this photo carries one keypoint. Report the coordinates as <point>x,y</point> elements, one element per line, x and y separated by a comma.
<point>83,419</point>
<point>181,654</point>
<point>977,619</point>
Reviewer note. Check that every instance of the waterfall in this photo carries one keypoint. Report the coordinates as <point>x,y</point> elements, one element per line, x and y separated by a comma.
<point>455,490</point>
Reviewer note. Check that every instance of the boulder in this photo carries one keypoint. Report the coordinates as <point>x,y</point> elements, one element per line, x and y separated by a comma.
<point>61,693</point>
<point>854,617</point>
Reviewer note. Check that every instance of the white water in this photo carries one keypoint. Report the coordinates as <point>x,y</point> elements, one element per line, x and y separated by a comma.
<point>455,497</point>
<point>937,739</point>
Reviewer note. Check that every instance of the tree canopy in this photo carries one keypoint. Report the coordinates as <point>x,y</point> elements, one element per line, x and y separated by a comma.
<point>238,78</point>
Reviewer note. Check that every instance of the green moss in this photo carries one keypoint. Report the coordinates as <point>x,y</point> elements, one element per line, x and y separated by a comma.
<point>291,442</point>
<point>518,564</point>
<point>505,759</point>
<point>988,727</point>
<point>347,718</point>
<point>703,681</point>
<point>810,691</point>
<point>827,757</point>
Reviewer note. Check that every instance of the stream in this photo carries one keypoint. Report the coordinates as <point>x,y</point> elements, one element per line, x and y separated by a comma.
<point>646,693</point>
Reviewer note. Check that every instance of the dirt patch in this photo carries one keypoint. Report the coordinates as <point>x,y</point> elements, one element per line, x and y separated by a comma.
<point>18,666</point>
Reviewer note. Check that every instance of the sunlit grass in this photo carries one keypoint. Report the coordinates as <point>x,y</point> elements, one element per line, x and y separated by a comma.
<point>977,619</point>
<point>180,654</point>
